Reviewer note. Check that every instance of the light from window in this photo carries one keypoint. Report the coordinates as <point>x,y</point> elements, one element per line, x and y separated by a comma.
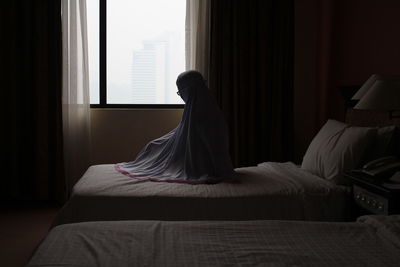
<point>92,7</point>
<point>145,51</point>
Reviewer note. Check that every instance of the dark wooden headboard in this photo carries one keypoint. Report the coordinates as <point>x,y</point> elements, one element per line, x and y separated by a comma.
<point>370,118</point>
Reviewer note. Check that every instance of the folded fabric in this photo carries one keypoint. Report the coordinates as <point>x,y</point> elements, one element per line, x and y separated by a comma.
<point>194,152</point>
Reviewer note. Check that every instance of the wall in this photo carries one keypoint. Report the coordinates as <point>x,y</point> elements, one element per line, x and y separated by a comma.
<point>119,134</point>
<point>339,42</point>
<point>366,39</point>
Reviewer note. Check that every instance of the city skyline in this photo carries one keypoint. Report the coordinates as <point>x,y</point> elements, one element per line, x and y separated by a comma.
<point>144,33</point>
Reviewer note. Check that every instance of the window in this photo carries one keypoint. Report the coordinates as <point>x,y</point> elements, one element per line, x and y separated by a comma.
<point>136,51</point>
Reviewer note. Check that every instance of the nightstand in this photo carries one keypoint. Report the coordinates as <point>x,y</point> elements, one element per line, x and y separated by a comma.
<point>374,196</point>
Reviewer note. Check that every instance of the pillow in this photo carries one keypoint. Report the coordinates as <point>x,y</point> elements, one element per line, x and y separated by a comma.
<point>337,147</point>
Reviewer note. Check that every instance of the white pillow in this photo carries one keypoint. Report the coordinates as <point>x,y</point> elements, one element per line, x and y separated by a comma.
<point>337,147</point>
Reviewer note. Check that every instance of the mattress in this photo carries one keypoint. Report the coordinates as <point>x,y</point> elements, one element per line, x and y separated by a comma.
<point>372,241</point>
<point>267,191</point>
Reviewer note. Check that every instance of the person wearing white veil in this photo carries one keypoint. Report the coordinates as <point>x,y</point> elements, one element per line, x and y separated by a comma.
<point>196,151</point>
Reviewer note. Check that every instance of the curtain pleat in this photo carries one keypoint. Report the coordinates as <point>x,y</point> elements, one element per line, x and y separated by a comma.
<point>197,30</point>
<point>32,145</point>
<point>251,74</point>
<point>75,91</point>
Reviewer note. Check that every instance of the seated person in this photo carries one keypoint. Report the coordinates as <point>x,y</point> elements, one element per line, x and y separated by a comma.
<point>194,152</point>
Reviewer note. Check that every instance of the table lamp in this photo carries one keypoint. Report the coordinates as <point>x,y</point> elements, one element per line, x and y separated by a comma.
<point>382,95</point>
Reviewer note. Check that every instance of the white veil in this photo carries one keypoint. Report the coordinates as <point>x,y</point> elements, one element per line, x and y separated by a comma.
<point>194,152</point>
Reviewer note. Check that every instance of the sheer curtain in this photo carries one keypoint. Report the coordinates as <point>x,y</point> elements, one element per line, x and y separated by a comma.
<point>75,95</point>
<point>198,35</point>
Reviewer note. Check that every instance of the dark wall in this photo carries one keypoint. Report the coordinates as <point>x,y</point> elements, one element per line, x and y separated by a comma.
<point>367,39</point>
<point>339,42</point>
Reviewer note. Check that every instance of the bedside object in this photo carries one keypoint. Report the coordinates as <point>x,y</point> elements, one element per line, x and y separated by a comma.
<point>377,196</point>
<point>380,93</point>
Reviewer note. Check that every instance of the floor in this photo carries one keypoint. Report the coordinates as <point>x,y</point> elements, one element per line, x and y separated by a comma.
<point>21,230</point>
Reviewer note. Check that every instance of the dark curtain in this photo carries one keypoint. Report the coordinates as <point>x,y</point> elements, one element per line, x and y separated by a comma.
<point>329,104</point>
<point>251,74</point>
<point>32,162</point>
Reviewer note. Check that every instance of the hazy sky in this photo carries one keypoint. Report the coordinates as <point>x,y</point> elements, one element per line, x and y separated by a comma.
<point>129,22</point>
<point>92,9</point>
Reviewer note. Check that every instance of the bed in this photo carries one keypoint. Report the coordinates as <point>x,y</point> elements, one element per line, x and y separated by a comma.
<point>270,190</point>
<point>371,241</point>
<point>267,191</point>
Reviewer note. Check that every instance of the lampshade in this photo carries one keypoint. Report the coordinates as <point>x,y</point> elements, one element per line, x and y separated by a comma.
<point>382,95</point>
<point>366,86</point>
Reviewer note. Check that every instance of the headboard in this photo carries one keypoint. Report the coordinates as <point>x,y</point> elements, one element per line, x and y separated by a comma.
<point>368,118</point>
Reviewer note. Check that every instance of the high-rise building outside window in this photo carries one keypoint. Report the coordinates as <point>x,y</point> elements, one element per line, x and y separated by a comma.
<point>136,51</point>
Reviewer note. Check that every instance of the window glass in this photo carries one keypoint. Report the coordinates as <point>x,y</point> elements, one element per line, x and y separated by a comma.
<point>145,50</point>
<point>93,29</point>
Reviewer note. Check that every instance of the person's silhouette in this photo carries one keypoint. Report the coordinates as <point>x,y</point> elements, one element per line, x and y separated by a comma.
<point>194,152</point>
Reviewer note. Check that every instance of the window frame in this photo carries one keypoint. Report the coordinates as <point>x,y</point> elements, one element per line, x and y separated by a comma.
<point>103,70</point>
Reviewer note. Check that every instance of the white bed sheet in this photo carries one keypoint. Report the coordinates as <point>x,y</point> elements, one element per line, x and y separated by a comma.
<point>267,191</point>
<point>373,241</point>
